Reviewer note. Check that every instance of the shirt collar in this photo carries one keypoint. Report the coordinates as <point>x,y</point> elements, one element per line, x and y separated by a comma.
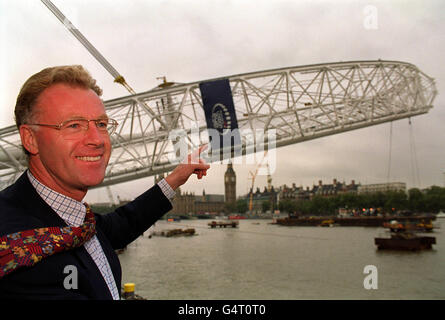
<point>71,211</point>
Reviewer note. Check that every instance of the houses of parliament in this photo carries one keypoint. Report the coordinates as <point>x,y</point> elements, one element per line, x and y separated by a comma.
<point>189,203</point>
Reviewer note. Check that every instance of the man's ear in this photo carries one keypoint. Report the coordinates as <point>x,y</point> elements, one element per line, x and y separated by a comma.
<point>28,138</point>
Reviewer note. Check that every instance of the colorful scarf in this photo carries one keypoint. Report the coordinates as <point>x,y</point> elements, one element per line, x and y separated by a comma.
<point>26,248</point>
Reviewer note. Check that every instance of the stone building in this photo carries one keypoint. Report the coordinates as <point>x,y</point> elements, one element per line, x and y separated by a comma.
<point>294,193</point>
<point>327,190</point>
<point>188,203</point>
<point>183,203</point>
<point>211,203</point>
<point>382,187</point>
<point>259,197</point>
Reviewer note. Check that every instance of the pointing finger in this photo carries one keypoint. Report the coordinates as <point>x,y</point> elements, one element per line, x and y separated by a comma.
<point>194,157</point>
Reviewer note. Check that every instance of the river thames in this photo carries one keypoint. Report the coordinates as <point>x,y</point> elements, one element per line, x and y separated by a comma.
<point>259,260</point>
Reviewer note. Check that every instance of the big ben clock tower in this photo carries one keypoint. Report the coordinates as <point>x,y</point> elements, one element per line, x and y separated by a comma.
<point>230,184</point>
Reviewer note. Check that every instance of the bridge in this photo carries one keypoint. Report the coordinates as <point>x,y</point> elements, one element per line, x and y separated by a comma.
<point>295,103</point>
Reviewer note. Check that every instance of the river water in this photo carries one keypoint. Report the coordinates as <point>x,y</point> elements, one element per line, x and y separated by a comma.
<point>259,260</point>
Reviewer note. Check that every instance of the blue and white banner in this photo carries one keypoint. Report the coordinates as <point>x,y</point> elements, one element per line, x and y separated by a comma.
<point>219,109</point>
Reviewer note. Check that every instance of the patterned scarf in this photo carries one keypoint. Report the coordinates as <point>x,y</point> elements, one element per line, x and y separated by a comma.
<point>26,248</point>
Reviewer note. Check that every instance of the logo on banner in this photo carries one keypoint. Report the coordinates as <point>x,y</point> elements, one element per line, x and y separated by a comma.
<point>221,118</point>
<point>220,114</point>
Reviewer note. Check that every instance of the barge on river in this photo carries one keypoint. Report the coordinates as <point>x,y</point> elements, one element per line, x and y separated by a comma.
<point>223,224</point>
<point>364,221</point>
<point>405,241</point>
<point>174,233</point>
<point>404,236</point>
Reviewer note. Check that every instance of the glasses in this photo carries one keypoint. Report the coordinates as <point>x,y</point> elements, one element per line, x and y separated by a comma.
<point>76,128</point>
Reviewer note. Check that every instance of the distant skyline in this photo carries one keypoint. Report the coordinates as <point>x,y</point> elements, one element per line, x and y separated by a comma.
<point>262,187</point>
<point>195,40</point>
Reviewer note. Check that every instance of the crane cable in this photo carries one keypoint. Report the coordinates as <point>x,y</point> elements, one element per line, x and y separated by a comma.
<point>413,155</point>
<point>390,150</point>
<point>118,78</point>
<point>414,163</point>
<point>79,36</point>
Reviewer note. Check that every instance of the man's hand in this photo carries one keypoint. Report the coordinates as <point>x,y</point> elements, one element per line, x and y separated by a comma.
<point>193,164</point>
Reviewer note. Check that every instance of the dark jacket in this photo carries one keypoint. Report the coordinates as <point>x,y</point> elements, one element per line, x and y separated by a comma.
<point>21,208</point>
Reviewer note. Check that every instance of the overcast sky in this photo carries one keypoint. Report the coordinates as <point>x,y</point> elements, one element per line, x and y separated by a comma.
<point>195,40</point>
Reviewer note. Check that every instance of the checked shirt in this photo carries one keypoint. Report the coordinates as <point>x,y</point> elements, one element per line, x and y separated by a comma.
<point>73,213</point>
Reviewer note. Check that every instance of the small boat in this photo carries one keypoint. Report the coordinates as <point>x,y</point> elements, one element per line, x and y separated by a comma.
<point>327,223</point>
<point>422,226</point>
<point>236,217</point>
<point>223,224</point>
<point>175,232</point>
<point>440,215</point>
<point>404,236</point>
<point>405,241</point>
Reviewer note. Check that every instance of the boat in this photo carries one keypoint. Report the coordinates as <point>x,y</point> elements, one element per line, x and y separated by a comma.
<point>422,226</point>
<point>440,215</point>
<point>327,223</point>
<point>174,232</point>
<point>404,236</point>
<point>360,221</point>
<point>405,241</point>
<point>236,217</point>
<point>223,224</point>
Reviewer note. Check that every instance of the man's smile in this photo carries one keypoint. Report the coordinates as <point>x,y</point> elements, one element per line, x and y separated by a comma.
<point>89,158</point>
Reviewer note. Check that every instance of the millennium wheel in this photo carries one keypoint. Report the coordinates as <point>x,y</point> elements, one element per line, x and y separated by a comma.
<point>271,108</point>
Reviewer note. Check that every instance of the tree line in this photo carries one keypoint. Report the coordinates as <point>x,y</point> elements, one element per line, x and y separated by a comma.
<point>431,200</point>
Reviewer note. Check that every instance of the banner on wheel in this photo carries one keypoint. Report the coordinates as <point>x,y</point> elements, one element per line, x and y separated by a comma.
<point>219,110</point>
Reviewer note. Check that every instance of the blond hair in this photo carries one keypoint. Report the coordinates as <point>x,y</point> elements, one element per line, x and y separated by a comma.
<point>74,75</point>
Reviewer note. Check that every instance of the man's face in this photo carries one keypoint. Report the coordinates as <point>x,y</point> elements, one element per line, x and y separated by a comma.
<point>69,166</point>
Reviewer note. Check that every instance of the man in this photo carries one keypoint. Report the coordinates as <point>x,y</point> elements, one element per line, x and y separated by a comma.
<point>46,233</point>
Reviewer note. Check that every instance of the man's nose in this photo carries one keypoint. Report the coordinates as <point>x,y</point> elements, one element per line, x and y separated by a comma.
<point>93,135</point>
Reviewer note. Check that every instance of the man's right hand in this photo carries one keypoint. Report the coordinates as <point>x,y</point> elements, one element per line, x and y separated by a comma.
<point>192,165</point>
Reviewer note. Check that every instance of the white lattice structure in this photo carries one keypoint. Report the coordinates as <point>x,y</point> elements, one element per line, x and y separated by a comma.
<point>298,103</point>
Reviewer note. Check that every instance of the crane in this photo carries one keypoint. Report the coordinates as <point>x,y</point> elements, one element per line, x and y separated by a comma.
<point>253,177</point>
<point>118,78</point>
<point>269,179</point>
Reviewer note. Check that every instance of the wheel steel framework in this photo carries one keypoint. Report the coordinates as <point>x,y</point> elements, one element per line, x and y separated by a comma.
<point>297,103</point>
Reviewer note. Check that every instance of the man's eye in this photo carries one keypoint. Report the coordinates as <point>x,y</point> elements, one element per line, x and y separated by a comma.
<point>102,124</point>
<point>73,125</point>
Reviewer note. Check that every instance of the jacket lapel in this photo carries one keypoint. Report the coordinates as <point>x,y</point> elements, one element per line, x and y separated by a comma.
<point>25,196</point>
